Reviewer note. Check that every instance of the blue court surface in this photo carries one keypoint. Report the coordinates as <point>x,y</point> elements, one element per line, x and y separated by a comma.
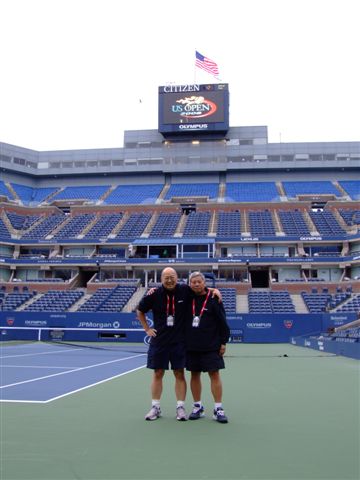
<point>41,373</point>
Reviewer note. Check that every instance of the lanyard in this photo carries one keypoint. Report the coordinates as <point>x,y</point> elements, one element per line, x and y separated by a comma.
<point>203,306</point>
<point>168,306</point>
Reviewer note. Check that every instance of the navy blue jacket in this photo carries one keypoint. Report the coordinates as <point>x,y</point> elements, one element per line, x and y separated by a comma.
<point>157,302</point>
<point>213,330</point>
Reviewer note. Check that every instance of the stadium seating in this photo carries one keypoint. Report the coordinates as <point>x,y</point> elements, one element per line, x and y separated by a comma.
<point>229,299</point>
<point>4,232</point>
<point>134,226</point>
<point>276,239</point>
<point>197,224</point>
<point>326,224</point>
<point>251,192</point>
<point>103,226</point>
<point>55,301</point>
<point>293,222</point>
<point>165,225</point>
<point>75,226</point>
<point>261,223</point>
<point>352,305</point>
<point>22,222</point>
<point>316,302</point>
<point>5,191</point>
<point>89,193</point>
<point>352,188</point>
<point>270,302</point>
<point>108,299</point>
<point>192,190</point>
<point>29,195</point>
<point>293,189</point>
<point>229,224</point>
<point>134,194</point>
<point>43,229</point>
<point>350,216</point>
<point>12,301</point>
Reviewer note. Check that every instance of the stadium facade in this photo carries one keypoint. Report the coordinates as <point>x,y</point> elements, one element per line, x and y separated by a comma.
<point>274,223</point>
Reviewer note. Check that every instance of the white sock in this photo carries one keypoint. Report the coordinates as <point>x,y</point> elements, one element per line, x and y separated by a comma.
<point>180,403</point>
<point>218,405</point>
<point>155,403</point>
<point>198,403</point>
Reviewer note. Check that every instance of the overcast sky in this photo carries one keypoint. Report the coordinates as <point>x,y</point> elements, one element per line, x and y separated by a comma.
<point>77,73</point>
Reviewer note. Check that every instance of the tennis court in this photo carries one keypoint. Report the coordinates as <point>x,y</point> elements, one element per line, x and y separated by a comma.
<point>294,414</point>
<point>43,372</point>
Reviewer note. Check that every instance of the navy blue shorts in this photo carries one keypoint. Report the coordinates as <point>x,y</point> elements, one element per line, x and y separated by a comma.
<point>204,361</point>
<point>161,357</point>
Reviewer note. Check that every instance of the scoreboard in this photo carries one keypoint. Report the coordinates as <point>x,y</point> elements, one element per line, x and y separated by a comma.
<point>186,109</point>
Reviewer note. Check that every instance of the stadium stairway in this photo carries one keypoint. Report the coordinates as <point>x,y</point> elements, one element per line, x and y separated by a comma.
<point>181,225</point>
<point>119,226</point>
<point>15,195</point>
<point>340,220</point>
<point>277,223</point>
<point>346,302</point>
<point>163,193</point>
<point>89,226</point>
<point>106,194</point>
<point>280,189</point>
<point>35,224</point>
<point>7,223</point>
<point>299,303</point>
<point>75,306</point>
<point>150,225</point>
<point>344,192</point>
<point>213,224</point>
<point>59,227</point>
<point>134,300</point>
<point>48,199</point>
<point>245,228</point>
<point>29,302</point>
<point>55,252</point>
<point>309,223</point>
<point>222,191</point>
<point>242,304</point>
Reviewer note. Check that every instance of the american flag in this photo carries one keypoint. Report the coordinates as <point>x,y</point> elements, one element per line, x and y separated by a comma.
<point>206,64</point>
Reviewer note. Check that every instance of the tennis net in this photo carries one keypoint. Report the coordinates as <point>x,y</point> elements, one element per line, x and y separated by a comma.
<point>91,337</point>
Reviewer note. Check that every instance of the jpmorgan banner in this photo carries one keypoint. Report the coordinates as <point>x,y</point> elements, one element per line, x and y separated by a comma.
<point>248,328</point>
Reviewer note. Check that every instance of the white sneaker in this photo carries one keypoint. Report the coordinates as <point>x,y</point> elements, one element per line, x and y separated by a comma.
<point>219,415</point>
<point>181,414</point>
<point>154,413</point>
<point>197,412</point>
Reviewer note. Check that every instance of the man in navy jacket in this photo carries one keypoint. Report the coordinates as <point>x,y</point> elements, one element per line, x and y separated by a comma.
<point>207,333</point>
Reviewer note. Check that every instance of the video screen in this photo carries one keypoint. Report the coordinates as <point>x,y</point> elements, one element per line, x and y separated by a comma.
<point>186,108</point>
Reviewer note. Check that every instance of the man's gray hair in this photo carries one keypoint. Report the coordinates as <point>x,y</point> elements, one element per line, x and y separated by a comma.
<point>196,274</point>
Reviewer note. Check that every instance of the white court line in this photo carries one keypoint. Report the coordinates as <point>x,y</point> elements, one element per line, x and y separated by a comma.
<point>73,391</point>
<point>40,353</point>
<point>21,401</point>
<point>35,366</point>
<point>93,384</point>
<point>70,371</point>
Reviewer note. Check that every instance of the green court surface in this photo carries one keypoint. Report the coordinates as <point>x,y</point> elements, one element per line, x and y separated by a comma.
<point>291,417</point>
